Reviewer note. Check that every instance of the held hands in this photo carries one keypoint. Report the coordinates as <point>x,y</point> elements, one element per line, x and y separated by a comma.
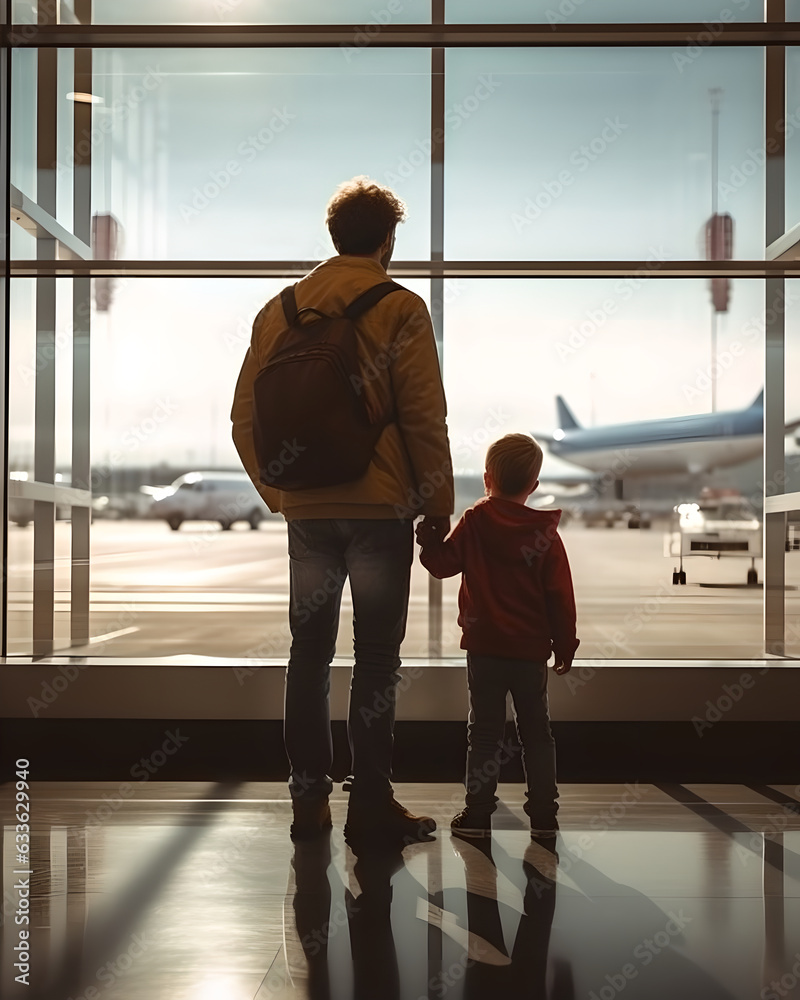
<point>432,529</point>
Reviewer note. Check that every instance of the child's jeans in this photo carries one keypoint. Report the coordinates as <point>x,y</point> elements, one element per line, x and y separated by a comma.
<point>490,677</point>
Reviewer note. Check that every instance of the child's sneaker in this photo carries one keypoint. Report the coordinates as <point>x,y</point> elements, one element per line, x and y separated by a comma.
<point>471,823</point>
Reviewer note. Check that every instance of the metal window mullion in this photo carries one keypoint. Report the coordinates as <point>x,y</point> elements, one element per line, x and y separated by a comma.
<point>81,465</point>
<point>29,489</point>
<point>774,464</point>
<point>775,344</point>
<point>81,349</point>
<point>435,586</point>
<point>411,269</point>
<point>45,386</point>
<point>782,502</point>
<point>570,34</point>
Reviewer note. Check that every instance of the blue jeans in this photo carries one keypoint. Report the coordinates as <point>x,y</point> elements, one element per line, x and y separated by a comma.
<point>490,678</point>
<point>376,555</point>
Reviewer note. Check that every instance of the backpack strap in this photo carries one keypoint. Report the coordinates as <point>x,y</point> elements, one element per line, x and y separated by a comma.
<point>371,298</point>
<point>289,303</point>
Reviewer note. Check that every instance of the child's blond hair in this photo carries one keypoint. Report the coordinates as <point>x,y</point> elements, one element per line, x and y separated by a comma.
<point>514,463</point>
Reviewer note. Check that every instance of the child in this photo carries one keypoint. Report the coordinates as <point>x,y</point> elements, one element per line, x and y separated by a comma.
<point>516,606</point>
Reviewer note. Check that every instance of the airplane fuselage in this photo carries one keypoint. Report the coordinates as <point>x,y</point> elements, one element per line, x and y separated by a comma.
<point>692,444</point>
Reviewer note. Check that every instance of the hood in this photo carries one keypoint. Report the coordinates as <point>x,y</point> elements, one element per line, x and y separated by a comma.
<point>509,527</point>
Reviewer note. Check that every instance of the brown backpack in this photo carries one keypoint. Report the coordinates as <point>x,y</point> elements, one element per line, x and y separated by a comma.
<point>311,426</point>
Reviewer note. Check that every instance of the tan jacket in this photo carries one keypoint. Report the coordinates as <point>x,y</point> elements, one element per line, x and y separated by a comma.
<point>411,470</point>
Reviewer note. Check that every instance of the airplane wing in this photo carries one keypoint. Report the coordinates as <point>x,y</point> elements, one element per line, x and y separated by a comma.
<point>559,472</point>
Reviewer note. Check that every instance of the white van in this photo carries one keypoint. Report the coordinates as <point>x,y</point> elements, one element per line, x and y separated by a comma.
<point>225,497</point>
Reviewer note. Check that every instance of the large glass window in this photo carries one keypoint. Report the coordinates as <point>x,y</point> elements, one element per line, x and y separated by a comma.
<point>601,11</point>
<point>631,361</point>
<point>792,137</point>
<point>165,477</point>
<point>23,122</point>
<point>645,386</point>
<point>233,155</point>
<point>576,154</point>
<point>792,470</point>
<point>370,15</point>
<point>630,358</point>
<point>367,13</point>
<point>27,363</point>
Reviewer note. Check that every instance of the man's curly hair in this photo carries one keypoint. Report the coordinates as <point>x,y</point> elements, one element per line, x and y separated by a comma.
<point>361,214</point>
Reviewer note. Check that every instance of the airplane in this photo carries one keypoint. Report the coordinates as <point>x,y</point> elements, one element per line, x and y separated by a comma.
<point>690,445</point>
<point>647,453</point>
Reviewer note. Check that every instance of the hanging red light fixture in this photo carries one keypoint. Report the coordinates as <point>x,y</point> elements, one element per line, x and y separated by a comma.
<point>106,244</point>
<point>719,246</point>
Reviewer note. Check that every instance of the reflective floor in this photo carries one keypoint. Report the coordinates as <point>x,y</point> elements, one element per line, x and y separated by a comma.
<point>187,891</point>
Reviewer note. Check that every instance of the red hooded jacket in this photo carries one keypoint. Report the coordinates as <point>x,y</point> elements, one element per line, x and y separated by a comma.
<point>516,597</point>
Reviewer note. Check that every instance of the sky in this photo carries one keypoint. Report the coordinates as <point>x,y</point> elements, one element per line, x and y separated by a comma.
<point>550,155</point>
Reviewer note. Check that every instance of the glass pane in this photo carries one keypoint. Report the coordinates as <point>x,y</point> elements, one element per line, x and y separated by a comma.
<point>64,366</point>
<point>792,137</point>
<point>65,124</point>
<point>24,367</point>
<point>20,577</point>
<point>24,173</point>
<point>600,11</point>
<point>585,154</point>
<point>793,10</point>
<point>165,359</point>
<point>367,14</point>
<point>21,387</point>
<point>23,120</point>
<point>792,484</point>
<point>635,353</point>
<point>23,12</point>
<point>62,550</point>
<point>234,154</point>
<point>791,298</point>
<point>22,376</point>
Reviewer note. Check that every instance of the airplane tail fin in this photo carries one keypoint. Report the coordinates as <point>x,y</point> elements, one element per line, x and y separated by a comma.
<point>566,418</point>
<point>758,402</point>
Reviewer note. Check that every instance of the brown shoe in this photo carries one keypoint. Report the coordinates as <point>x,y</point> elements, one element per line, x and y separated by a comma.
<point>387,820</point>
<point>311,819</point>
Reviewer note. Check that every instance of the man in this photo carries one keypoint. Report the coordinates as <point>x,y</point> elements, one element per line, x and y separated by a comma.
<point>362,529</point>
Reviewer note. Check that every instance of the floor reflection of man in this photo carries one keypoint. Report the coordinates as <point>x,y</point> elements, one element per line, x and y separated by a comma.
<point>311,904</point>
<point>363,913</point>
<point>356,903</point>
<point>375,969</point>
